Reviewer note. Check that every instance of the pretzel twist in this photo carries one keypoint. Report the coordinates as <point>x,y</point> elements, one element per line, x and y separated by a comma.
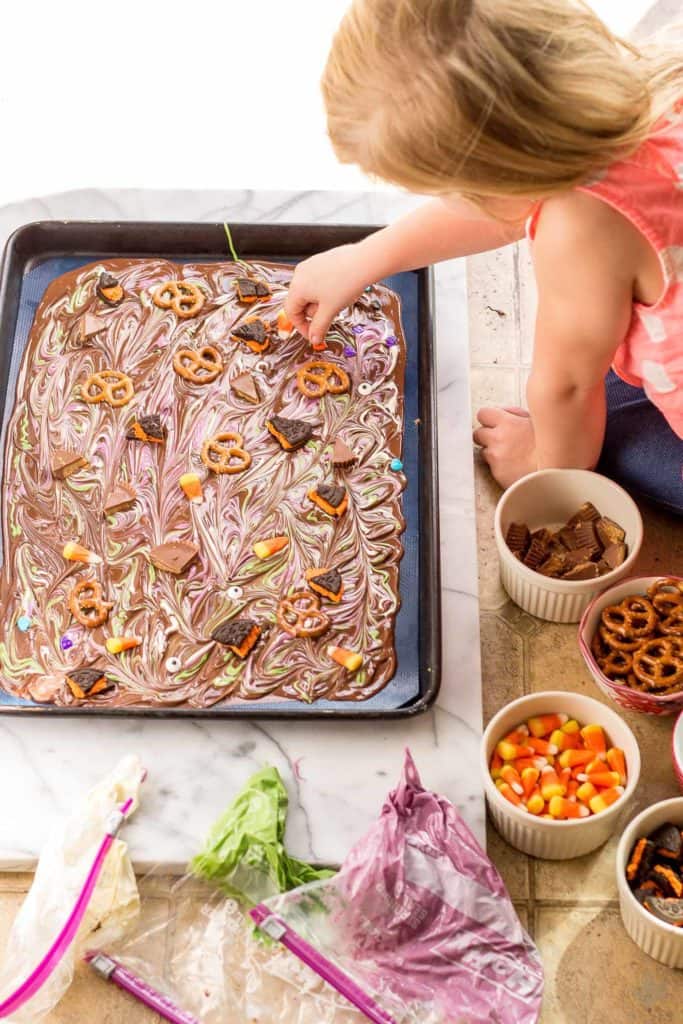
<point>633,618</point>
<point>110,386</point>
<point>300,614</point>
<point>319,378</point>
<point>87,604</point>
<point>200,366</point>
<point>223,453</point>
<point>184,298</point>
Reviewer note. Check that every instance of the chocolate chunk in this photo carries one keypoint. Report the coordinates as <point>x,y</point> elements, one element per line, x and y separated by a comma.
<point>568,537</point>
<point>333,494</point>
<point>249,289</point>
<point>667,841</point>
<point>147,427</point>
<point>88,326</point>
<point>64,463</point>
<point>252,330</point>
<point>342,456</point>
<point>582,571</point>
<point>296,433</point>
<point>173,556</point>
<point>542,535</point>
<point>234,632</point>
<point>83,681</point>
<point>614,555</point>
<point>518,537</point>
<point>536,555</point>
<point>578,555</point>
<point>244,385</point>
<point>328,579</point>
<point>586,514</point>
<point>587,539</point>
<point>608,532</point>
<point>666,909</point>
<point>122,497</point>
<point>109,289</point>
<point>554,565</point>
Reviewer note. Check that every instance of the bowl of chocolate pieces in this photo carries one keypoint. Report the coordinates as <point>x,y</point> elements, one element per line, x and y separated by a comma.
<point>650,881</point>
<point>563,536</point>
<point>631,638</point>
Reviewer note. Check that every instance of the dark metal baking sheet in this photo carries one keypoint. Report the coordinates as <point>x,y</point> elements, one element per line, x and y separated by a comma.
<point>40,246</point>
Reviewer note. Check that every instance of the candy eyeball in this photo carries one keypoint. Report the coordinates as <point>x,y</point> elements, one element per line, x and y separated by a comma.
<point>365,388</point>
<point>261,366</point>
<point>173,665</point>
<point>235,593</point>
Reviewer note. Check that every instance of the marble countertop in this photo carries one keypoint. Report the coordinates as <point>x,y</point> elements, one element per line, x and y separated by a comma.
<point>337,773</point>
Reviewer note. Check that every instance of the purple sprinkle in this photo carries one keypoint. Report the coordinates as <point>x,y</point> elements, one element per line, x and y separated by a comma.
<point>65,643</point>
<point>358,329</point>
<point>348,351</point>
<point>391,340</point>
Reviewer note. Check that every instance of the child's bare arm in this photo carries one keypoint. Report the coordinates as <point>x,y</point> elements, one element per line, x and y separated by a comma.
<point>324,284</point>
<point>585,269</point>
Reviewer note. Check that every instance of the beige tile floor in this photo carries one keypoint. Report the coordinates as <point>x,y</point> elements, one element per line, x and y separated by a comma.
<point>571,907</point>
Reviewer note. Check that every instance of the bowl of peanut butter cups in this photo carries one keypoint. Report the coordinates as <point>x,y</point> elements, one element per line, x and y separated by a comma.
<point>631,638</point>
<point>563,537</point>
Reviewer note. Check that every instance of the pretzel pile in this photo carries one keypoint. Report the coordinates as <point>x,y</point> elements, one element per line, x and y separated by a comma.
<point>639,642</point>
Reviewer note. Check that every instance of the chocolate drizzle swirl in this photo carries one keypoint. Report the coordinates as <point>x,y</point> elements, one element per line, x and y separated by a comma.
<point>175,616</point>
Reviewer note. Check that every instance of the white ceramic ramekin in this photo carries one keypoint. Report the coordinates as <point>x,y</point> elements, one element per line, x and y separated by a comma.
<point>548,498</point>
<point>659,940</point>
<point>541,837</point>
<point>677,750</point>
<point>624,696</point>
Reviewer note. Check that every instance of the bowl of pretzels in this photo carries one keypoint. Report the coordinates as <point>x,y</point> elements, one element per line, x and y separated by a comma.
<point>631,638</point>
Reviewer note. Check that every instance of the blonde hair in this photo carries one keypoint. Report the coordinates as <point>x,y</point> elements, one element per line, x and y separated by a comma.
<point>489,97</point>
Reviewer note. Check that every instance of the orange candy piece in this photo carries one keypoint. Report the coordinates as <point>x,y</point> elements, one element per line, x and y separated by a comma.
<point>511,751</point>
<point>572,758</point>
<point>535,803</point>
<point>593,737</point>
<point>117,644</point>
<point>266,548</point>
<point>605,799</point>
<point>508,792</point>
<point>350,660</point>
<point>191,485</point>
<point>530,777</point>
<point>74,552</point>
<point>511,776</point>
<point>550,783</point>
<point>541,725</point>
<point>617,762</point>
<point>559,807</point>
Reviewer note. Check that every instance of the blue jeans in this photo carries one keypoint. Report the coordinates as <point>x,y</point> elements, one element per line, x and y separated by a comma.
<point>641,451</point>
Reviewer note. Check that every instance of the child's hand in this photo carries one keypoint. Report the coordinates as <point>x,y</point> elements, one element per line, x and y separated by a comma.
<point>321,286</point>
<point>506,437</point>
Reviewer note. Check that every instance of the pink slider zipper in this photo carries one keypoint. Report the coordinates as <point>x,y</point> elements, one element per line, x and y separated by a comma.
<point>44,969</point>
<point>111,970</point>
<point>276,928</point>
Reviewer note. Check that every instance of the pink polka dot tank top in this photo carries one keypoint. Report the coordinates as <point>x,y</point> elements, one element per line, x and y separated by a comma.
<point>647,188</point>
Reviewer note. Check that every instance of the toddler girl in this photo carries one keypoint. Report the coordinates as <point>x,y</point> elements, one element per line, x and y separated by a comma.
<point>529,117</point>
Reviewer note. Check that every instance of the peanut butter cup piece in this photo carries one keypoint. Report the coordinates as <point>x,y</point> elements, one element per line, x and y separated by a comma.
<point>119,499</point>
<point>331,498</point>
<point>253,332</point>
<point>244,385</point>
<point>173,556</point>
<point>109,289</point>
<point>608,532</point>
<point>554,565</point>
<point>614,555</point>
<point>583,571</point>
<point>239,635</point>
<point>147,428</point>
<point>586,514</point>
<point>586,538</point>
<point>291,434</point>
<point>87,682</point>
<point>537,554</point>
<point>251,290</point>
<point>327,582</point>
<point>518,537</point>
<point>65,463</point>
<point>342,456</point>
<point>88,326</point>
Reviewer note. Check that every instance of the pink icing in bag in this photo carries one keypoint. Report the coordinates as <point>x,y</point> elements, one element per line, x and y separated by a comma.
<point>417,926</point>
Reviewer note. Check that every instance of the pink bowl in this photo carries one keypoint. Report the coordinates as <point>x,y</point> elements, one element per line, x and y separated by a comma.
<point>624,696</point>
<point>677,749</point>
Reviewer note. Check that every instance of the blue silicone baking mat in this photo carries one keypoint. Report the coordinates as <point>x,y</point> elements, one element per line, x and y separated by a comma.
<point>405,686</point>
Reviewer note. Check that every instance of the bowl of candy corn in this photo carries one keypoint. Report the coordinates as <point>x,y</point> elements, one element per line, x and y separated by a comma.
<point>631,638</point>
<point>563,536</point>
<point>559,770</point>
<point>650,881</point>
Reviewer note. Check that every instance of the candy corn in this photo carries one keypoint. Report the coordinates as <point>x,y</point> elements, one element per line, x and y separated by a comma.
<point>266,548</point>
<point>594,739</point>
<point>117,644</point>
<point>557,769</point>
<point>559,807</point>
<point>192,486</point>
<point>74,552</point>
<point>350,660</point>
<point>617,762</point>
<point>284,325</point>
<point>603,800</point>
<point>550,783</point>
<point>543,724</point>
<point>511,776</point>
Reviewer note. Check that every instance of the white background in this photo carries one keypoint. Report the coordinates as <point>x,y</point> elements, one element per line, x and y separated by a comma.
<point>181,94</point>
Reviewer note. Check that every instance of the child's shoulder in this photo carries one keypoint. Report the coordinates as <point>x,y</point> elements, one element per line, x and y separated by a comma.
<point>575,221</point>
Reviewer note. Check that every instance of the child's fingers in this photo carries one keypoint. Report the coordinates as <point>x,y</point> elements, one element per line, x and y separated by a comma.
<point>296,310</point>
<point>320,324</point>
<point>490,417</point>
<point>516,410</point>
<point>483,436</point>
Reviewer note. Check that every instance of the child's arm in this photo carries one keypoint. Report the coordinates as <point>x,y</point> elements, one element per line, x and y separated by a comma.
<point>324,284</point>
<point>585,268</point>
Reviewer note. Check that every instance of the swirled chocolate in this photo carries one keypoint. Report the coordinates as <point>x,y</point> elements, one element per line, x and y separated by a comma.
<point>175,616</point>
